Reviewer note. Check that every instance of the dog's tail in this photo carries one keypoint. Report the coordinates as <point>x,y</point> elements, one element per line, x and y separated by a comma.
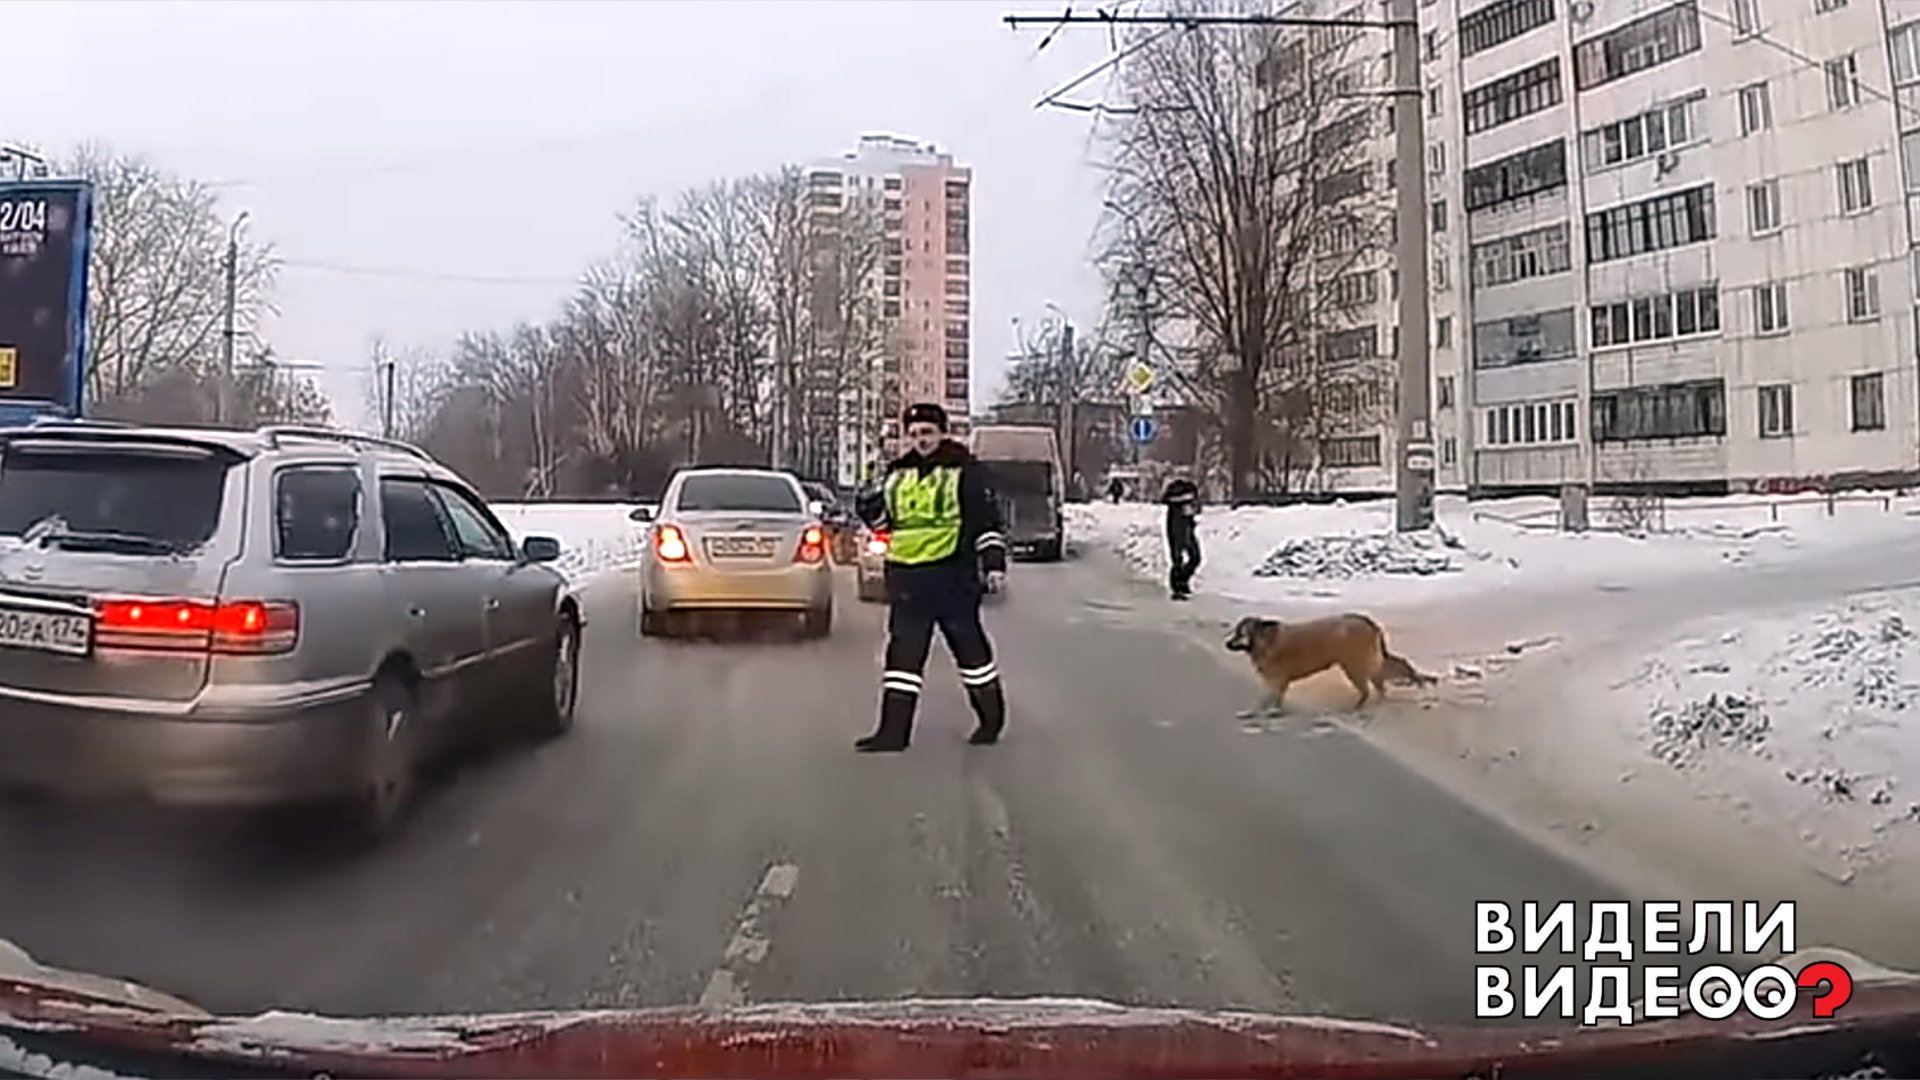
<point>1399,669</point>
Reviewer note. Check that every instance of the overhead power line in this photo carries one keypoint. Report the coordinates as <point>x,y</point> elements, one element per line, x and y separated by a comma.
<point>424,275</point>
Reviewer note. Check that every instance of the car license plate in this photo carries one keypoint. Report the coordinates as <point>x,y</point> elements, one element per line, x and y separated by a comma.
<point>740,547</point>
<point>46,631</point>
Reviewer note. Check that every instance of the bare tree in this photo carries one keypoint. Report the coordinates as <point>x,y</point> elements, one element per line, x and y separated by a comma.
<point>420,383</point>
<point>782,241</point>
<point>158,278</point>
<point>1245,153</point>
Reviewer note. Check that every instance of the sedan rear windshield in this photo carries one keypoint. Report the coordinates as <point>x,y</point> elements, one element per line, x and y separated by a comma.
<point>174,501</point>
<point>744,493</point>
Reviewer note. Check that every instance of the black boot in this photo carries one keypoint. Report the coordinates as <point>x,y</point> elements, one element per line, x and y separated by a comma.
<point>990,707</point>
<point>896,724</point>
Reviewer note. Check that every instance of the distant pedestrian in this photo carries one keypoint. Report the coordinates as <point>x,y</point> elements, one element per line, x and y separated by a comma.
<point>1182,499</point>
<point>1115,489</point>
<point>946,550</point>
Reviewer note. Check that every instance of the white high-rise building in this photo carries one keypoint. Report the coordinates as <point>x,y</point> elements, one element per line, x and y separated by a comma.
<point>1685,246</point>
<point>924,284</point>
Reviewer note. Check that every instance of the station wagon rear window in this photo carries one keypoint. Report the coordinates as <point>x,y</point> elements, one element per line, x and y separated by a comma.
<point>743,493</point>
<point>110,500</point>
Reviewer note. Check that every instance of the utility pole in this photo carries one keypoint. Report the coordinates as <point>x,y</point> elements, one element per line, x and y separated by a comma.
<point>1143,344</point>
<point>223,388</point>
<point>389,374</point>
<point>1413,464</point>
<point>1065,394</point>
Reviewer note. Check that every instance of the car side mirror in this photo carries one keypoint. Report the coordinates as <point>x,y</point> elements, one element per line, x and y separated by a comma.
<point>641,514</point>
<point>540,549</point>
<point>816,507</point>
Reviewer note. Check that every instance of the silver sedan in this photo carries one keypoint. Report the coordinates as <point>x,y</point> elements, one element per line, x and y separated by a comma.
<point>735,540</point>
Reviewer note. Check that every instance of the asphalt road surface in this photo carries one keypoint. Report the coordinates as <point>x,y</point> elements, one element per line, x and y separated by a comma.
<point>707,834</point>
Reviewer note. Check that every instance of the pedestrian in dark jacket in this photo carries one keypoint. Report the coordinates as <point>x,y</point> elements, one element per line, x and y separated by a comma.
<point>946,548</point>
<point>1182,498</point>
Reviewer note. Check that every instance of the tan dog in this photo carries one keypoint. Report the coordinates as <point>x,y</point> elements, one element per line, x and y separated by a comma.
<point>1284,653</point>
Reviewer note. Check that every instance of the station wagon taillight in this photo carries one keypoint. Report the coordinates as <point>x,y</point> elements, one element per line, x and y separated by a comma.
<point>671,544</point>
<point>877,543</point>
<point>813,545</point>
<point>230,627</point>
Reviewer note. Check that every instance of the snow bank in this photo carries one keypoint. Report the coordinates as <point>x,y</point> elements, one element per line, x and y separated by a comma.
<point>1809,719</point>
<point>1349,552</point>
<point>595,538</point>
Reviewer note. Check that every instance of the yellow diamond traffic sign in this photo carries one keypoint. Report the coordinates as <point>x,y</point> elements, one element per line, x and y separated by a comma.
<point>1139,377</point>
<point>9,367</point>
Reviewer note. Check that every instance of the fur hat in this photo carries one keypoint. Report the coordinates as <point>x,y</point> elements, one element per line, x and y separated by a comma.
<point>926,412</point>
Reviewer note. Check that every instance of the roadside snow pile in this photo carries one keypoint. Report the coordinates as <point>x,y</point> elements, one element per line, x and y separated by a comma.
<point>595,538</point>
<point>1812,717</point>
<point>1348,551</point>
<point>1417,554</point>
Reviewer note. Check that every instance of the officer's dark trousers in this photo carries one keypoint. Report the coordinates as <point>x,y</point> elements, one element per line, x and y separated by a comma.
<point>910,625</point>
<point>1183,553</point>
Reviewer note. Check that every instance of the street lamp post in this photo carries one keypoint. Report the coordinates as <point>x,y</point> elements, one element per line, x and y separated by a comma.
<point>226,344</point>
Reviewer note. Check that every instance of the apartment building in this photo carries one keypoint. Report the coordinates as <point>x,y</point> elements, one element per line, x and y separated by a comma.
<point>923,285</point>
<point>1686,248</point>
<point>1354,276</point>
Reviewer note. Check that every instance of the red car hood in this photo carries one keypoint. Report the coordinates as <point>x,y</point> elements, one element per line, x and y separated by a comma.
<point>1048,1037</point>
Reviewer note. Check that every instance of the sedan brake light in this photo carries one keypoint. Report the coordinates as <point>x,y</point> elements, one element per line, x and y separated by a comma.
<point>671,544</point>
<point>877,543</point>
<point>813,545</point>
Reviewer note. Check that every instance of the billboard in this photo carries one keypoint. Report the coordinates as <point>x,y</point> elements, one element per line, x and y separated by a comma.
<point>45,227</point>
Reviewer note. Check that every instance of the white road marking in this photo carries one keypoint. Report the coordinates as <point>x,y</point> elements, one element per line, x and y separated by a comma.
<point>750,941</point>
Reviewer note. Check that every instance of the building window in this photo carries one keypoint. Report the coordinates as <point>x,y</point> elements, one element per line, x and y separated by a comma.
<point>1776,411</point>
<point>1763,207</point>
<point>1770,308</point>
<point>1524,339</point>
<point>1856,185</point>
<point>1359,343</point>
<point>1442,280</point>
<point>890,309</point>
<point>1350,452</point>
<point>1437,159</point>
<point>1664,127</point>
<point>956,350</point>
<point>1343,185</point>
<point>1449,450</point>
<point>1843,82</point>
<point>1443,336</point>
<point>1349,291</point>
<point>1531,423</point>
<point>1433,100</point>
<point>1646,42</point>
<point>1511,97</point>
<point>956,287</point>
<point>1869,402</point>
<point>1756,108</point>
<point>1821,7</point>
<point>1502,20</point>
<point>1342,133</point>
<point>1674,411</point>
<point>1746,17</point>
<point>1439,212</point>
<point>1686,313</point>
<point>1863,294</point>
<point>1516,176</point>
<point>1443,392</point>
<point>1531,254</point>
<point>1656,224</point>
<point>1905,45</point>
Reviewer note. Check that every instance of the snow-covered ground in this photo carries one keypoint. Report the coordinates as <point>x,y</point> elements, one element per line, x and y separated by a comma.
<point>1349,553</point>
<point>1809,718</point>
<point>594,537</point>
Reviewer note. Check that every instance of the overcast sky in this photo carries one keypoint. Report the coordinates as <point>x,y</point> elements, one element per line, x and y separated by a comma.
<point>499,139</point>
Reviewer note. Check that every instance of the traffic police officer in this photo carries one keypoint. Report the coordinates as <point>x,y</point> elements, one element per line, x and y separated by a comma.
<point>947,548</point>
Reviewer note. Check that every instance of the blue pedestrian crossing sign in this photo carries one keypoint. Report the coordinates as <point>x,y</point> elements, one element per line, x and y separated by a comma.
<point>1144,428</point>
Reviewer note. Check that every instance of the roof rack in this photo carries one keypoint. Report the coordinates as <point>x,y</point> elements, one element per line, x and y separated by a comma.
<point>275,432</point>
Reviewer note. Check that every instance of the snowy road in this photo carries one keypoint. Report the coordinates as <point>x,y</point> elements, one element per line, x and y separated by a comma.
<point>706,834</point>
